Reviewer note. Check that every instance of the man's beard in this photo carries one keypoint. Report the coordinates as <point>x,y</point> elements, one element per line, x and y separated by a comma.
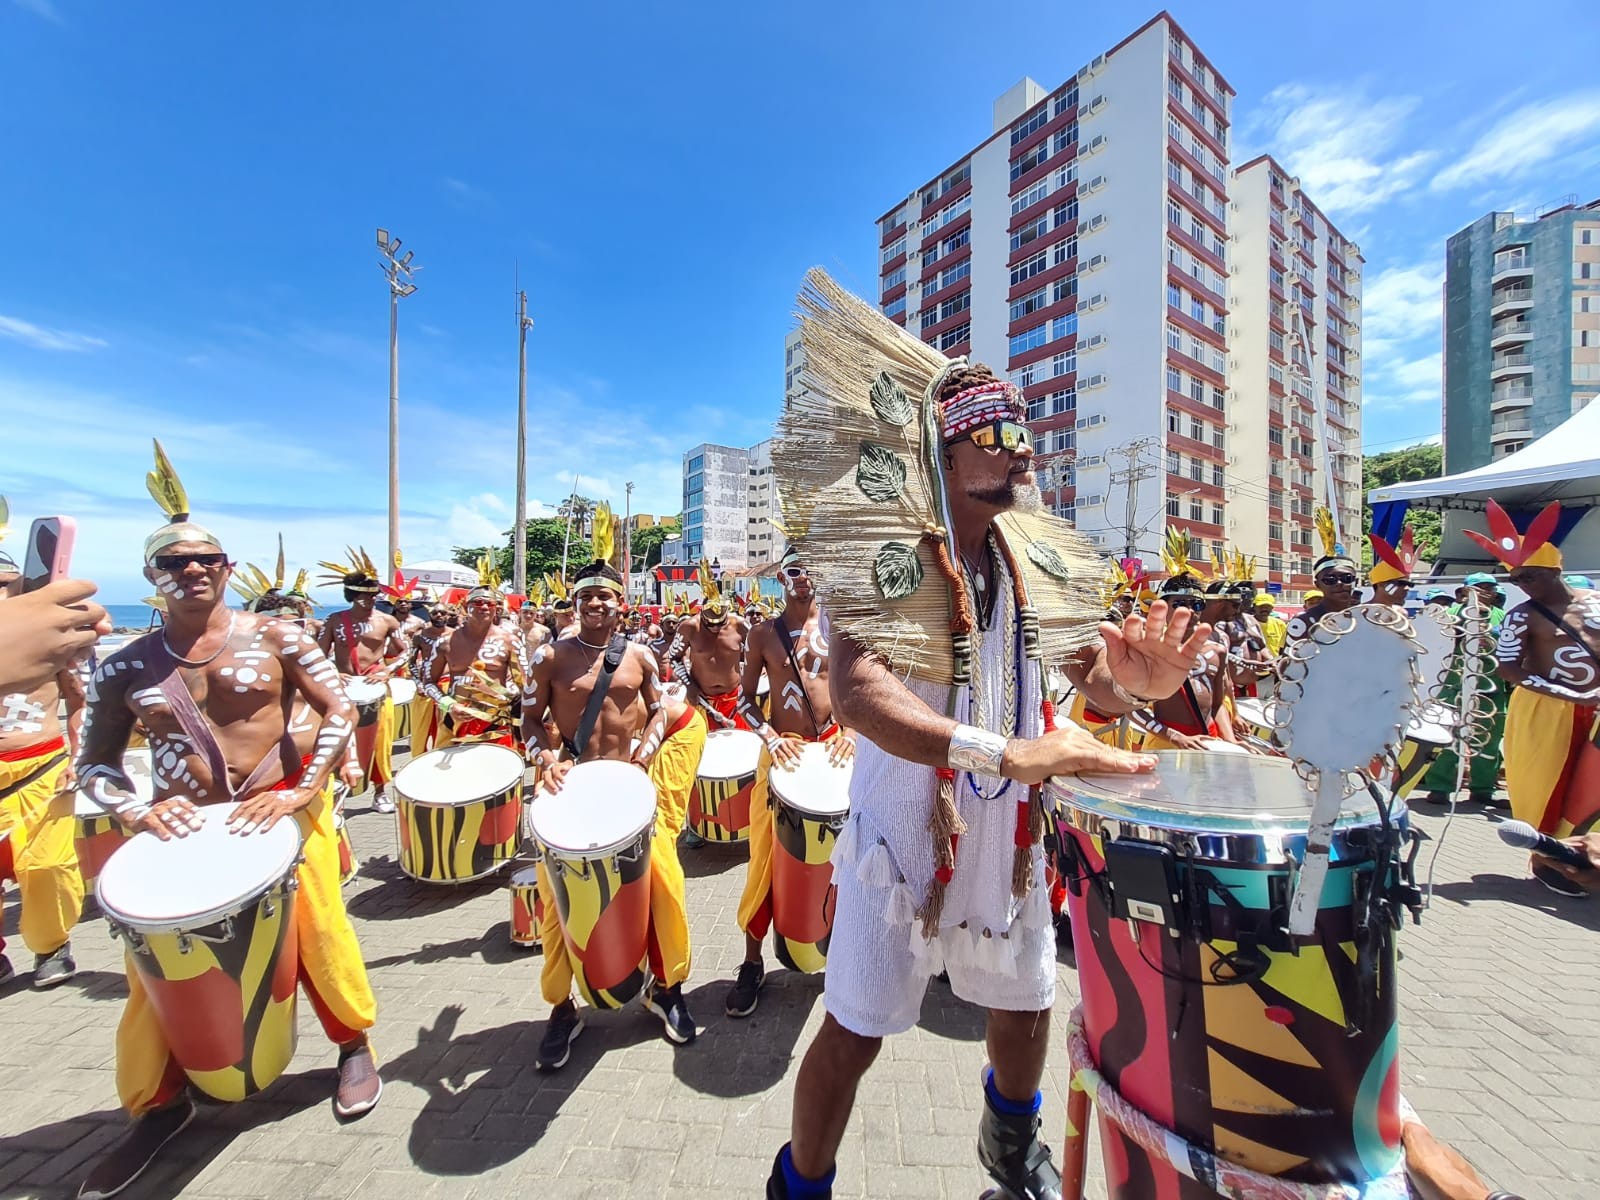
<point>1019,497</point>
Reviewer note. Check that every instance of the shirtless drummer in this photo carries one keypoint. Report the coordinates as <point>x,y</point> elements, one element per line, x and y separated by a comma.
<point>215,685</point>
<point>565,675</point>
<point>793,651</point>
<point>712,641</point>
<point>366,644</point>
<point>474,673</point>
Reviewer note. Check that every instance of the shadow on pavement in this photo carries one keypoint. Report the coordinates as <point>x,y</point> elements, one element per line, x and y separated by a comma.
<point>448,1136</point>
<point>946,1014</point>
<point>493,946</point>
<point>399,897</point>
<point>713,858</point>
<point>1527,892</point>
<point>747,1055</point>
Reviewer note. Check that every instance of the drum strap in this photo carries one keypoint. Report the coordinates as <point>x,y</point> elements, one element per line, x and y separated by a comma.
<point>794,665</point>
<point>194,723</point>
<point>591,711</point>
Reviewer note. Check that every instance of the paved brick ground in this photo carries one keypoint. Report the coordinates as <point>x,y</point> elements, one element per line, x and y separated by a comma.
<point>1502,995</point>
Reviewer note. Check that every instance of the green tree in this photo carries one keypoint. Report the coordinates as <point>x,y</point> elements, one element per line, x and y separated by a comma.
<point>545,537</point>
<point>1423,461</point>
<point>646,544</point>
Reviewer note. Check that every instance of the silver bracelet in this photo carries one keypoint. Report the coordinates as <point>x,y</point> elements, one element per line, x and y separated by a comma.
<point>1127,697</point>
<point>976,750</point>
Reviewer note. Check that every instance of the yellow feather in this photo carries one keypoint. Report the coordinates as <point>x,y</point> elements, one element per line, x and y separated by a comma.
<point>165,488</point>
<point>708,584</point>
<point>603,535</point>
<point>1175,553</point>
<point>300,582</point>
<point>1324,522</point>
<point>281,568</point>
<point>5,517</point>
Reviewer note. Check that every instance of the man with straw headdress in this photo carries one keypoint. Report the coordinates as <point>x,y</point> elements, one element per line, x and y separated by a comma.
<point>214,688</point>
<point>475,673</point>
<point>713,642</point>
<point>948,592</point>
<point>1549,652</point>
<point>671,735</point>
<point>37,825</point>
<point>366,646</point>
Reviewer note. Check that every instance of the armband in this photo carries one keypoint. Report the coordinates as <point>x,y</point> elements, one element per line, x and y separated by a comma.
<point>976,750</point>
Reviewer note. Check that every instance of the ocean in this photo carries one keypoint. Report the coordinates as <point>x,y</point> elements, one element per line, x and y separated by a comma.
<point>136,617</point>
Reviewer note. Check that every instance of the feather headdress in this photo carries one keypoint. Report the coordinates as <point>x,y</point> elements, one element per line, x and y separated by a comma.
<point>1115,584</point>
<point>859,473</point>
<point>603,533</point>
<point>7,563</point>
<point>560,597</point>
<point>1513,549</point>
<point>263,594</point>
<point>167,490</point>
<point>401,589</point>
<point>358,573</point>
<point>488,567</point>
<point>1333,551</point>
<point>715,606</point>
<point>1183,576</point>
<point>1392,562</point>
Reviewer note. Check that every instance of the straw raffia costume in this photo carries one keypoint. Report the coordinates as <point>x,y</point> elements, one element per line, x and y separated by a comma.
<point>936,869</point>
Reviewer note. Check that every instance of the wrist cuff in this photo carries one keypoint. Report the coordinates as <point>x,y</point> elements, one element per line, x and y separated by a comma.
<point>976,750</point>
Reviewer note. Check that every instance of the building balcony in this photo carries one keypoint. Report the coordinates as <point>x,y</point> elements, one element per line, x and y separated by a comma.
<point>1510,365</point>
<point>1510,333</point>
<point>1513,299</point>
<point>1506,399</point>
<point>1509,429</point>
<point>1512,268</point>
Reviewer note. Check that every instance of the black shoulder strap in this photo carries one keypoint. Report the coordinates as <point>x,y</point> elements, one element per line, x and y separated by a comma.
<point>1562,625</point>
<point>794,664</point>
<point>591,711</point>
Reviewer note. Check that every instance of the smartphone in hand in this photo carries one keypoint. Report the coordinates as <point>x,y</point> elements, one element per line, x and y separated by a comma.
<point>49,556</point>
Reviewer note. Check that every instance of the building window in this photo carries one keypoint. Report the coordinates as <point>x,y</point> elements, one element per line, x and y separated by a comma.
<point>1064,326</point>
<point>1027,340</point>
<point>1032,302</point>
<point>1174,506</point>
<point>1174,379</point>
<point>1174,421</point>
<point>1217,478</point>
<point>1197,429</point>
<point>1216,514</point>
<point>895,307</point>
<point>1063,401</point>
<point>954,337</point>
<point>1036,121</point>
<point>1036,408</point>
<point>1197,512</point>
<point>894,248</point>
<point>1174,463</point>
<point>1028,268</point>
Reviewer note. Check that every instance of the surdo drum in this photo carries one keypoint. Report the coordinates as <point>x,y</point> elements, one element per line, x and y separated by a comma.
<point>719,802</point>
<point>1428,734</point>
<point>208,920</point>
<point>810,803</point>
<point>459,810</point>
<point>594,835</point>
<point>402,692</point>
<point>1276,1053</point>
<point>527,908</point>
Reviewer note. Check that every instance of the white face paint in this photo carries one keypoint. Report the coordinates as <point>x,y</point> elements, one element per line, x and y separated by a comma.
<point>168,586</point>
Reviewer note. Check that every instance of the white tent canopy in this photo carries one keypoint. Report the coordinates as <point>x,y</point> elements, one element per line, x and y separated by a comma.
<point>441,574</point>
<point>1562,465</point>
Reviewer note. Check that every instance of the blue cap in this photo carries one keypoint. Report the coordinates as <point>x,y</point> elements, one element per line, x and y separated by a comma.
<point>1579,581</point>
<point>1441,594</point>
<point>1478,577</point>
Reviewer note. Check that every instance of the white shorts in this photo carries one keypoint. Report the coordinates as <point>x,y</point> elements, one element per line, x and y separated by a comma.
<point>874,984</point>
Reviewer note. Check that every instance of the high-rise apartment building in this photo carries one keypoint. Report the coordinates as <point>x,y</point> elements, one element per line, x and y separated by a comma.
<point>1294,353</point>
<point>729,494</point>
<point>1085,250</point>
<point>1521,329</point>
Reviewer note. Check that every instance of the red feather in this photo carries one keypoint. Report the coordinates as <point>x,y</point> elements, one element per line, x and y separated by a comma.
<point>1541,528</point>
<point>1501,527</point>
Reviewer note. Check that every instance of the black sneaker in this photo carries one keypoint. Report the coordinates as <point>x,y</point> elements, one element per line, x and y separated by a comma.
<point>667,1003</point>
<point>136,1150</point>
<point>52,969</point>
<point>1010,1150</point>
<point>690,840</point>
<point>7,971</point>
<point>745,993</point>
<point>1437,797</point>
<point>560,1032</point>
<point>1559,883</point>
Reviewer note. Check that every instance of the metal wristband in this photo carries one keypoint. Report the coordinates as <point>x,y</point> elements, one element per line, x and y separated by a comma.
<point>976,750</point>
<point>1127,697</point>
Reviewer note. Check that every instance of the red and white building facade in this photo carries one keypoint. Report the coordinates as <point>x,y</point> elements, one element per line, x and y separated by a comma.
<point>1086,249</point>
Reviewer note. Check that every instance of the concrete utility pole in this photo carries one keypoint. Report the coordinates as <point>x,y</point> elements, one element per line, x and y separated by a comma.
<point>566,545</point>
<point>1135,473</point>
<point>519,533</point>
<point>398,270</point>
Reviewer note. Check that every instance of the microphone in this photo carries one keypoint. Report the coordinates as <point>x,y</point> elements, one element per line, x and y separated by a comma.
<point>1525,837</point>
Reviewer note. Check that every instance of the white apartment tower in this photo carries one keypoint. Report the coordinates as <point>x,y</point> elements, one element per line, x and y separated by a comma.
<point>1294,346</point>
<point>1086,250</point>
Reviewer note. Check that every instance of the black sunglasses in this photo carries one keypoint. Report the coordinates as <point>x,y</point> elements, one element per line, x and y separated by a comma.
<point>177,562</point>
<point>1344,578</point>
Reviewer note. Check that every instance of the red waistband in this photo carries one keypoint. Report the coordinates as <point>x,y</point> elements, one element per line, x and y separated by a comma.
<point>680,724</point>
<point>37,750</point>
<point>1210,729</point>
<point>827,733</point>
<point>284,784</point>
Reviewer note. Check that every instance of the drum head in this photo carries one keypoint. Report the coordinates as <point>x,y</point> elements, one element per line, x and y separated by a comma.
<point>1429,733</point>
<point>525,878</point>
<point>1219,746</point>
<point>601,807</point>
<point>404,691</point>
<point>1196,791</point>
<point>192,881</point>
<point>1436,637</point>
<point>813,786</point>
<point>364,691</point>
<point>461,774</point>
<point>1252,711</point>
<point>730,753</point>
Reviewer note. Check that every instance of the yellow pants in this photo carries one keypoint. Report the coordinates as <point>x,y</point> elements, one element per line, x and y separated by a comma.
<point>1545,738</point>
<point>673,771</point>
<point>41,836</point>
<point>375,746</point>
<point>332,973</point>
<point>424,718</point>
<point>1111,732</point>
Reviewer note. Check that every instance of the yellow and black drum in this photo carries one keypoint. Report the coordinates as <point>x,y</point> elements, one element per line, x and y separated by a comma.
<point>811,802</point>
<point>459,811</point>
<point>527,908</point>
<point>209,924</point>
<point>595,836</point>
<point>100,835</point>
<point>403,692</point>
<point>719,802</point>
<point>1428,734</point>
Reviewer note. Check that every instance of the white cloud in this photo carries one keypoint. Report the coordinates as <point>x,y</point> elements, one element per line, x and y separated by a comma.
<point>1341,143</point>
<point>40,8</point>
<point>42,338</point>
<point>1522,140</point>
<point>491,502</point>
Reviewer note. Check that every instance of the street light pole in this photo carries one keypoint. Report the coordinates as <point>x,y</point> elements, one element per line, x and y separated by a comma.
<point>627,539</point>
<point>519,534</point>
<point>398,270</point>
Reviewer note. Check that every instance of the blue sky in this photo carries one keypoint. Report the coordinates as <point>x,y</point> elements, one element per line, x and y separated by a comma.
<point>189,196</point>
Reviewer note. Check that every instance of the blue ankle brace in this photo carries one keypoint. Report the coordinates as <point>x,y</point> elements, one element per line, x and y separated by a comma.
<point>801,1188</point>
<point>1011,1108</point>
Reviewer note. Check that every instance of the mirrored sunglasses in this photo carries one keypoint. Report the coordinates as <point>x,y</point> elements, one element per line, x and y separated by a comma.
<point>1007,435</point>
